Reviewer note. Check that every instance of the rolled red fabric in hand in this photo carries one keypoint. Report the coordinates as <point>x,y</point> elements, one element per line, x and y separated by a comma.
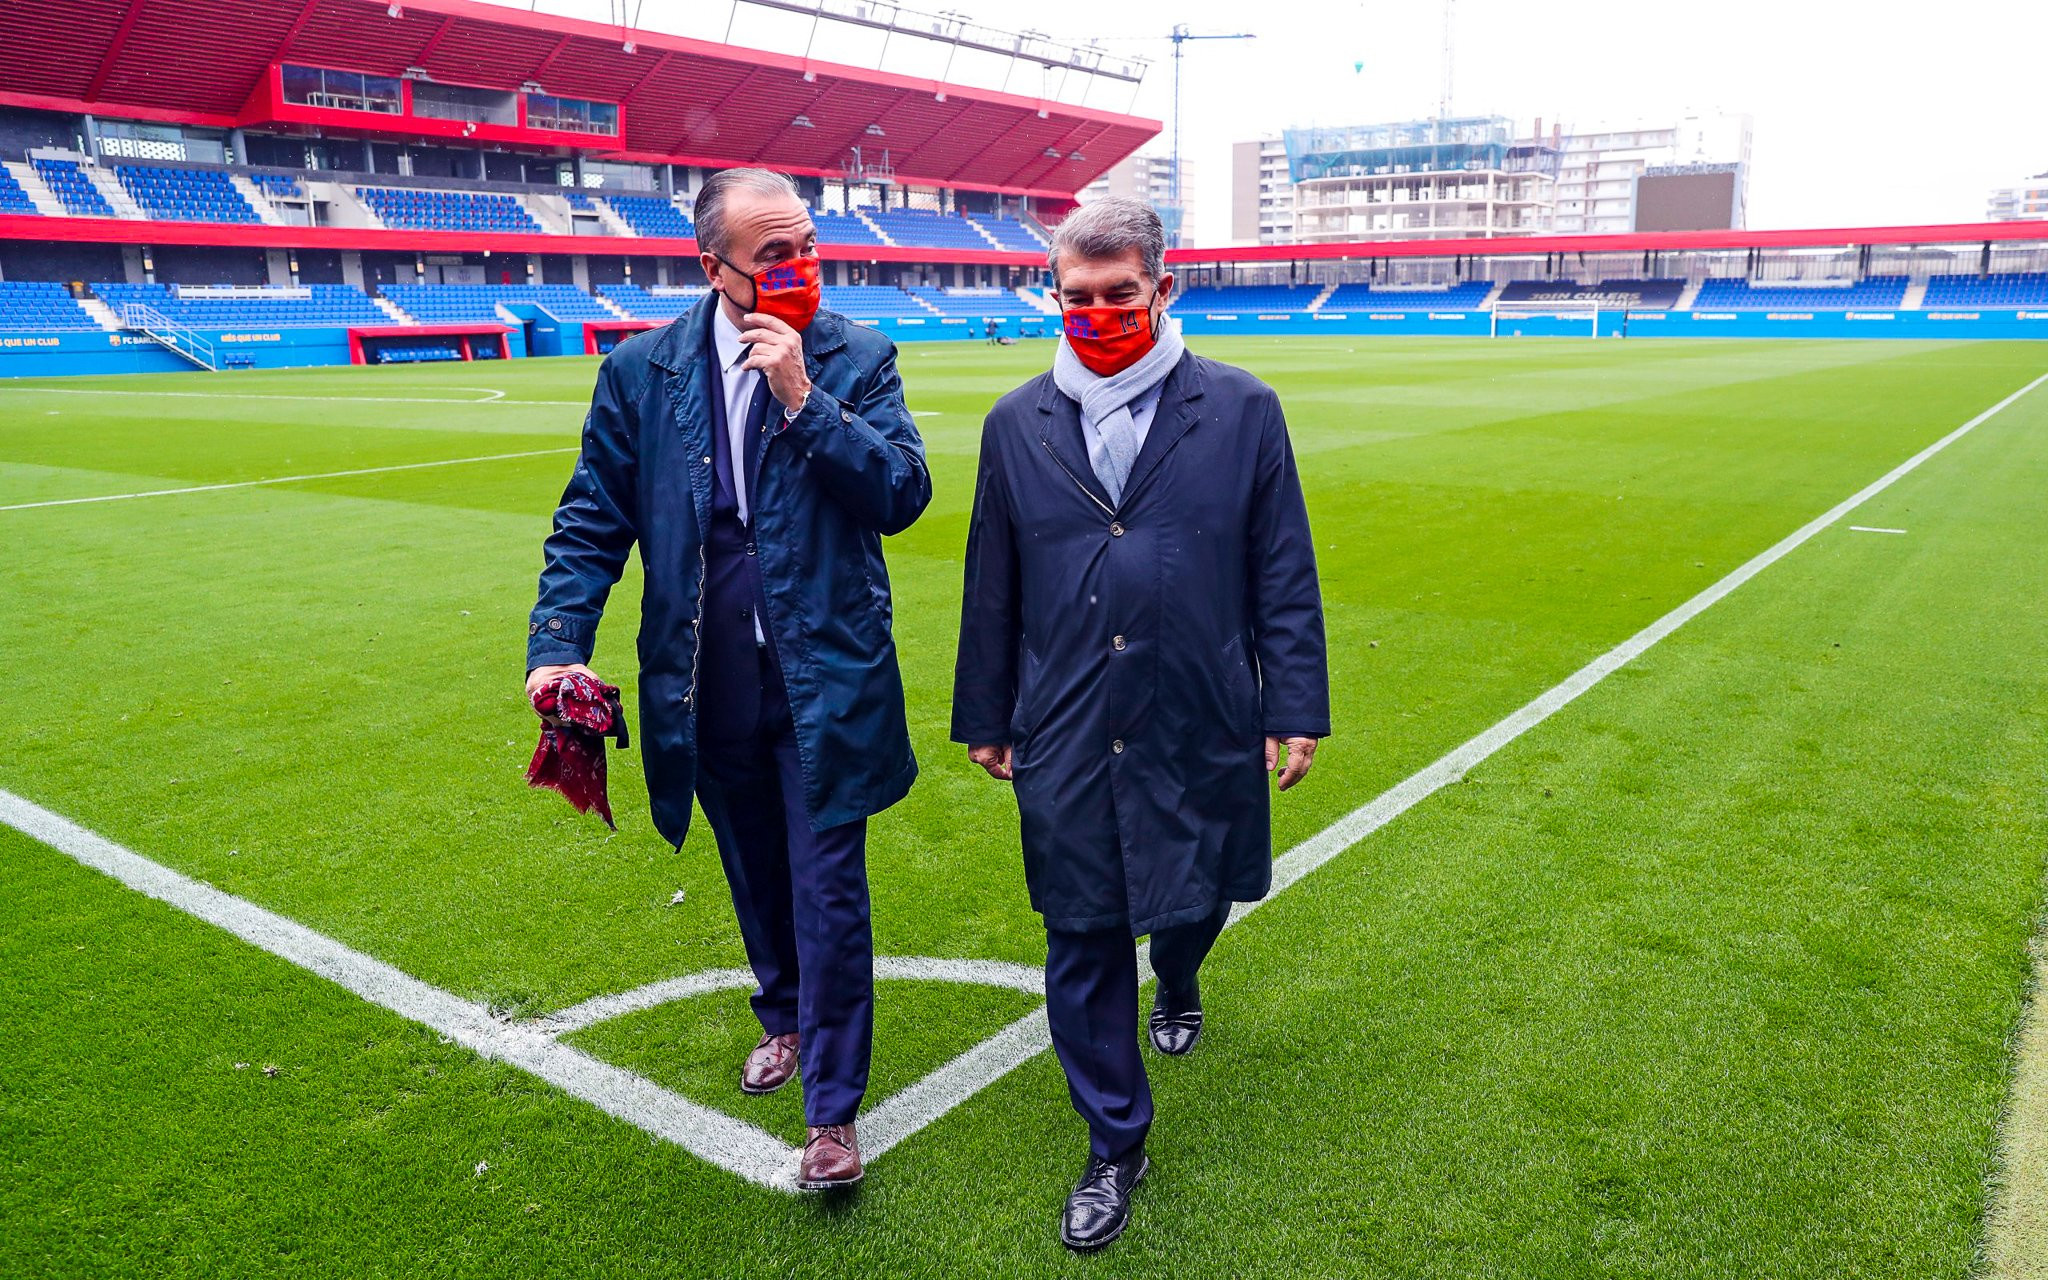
<point>570,757</point>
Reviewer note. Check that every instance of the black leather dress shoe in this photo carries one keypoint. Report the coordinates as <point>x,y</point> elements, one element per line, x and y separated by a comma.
<point>1176,1019</point>
<point>1100,1207</point>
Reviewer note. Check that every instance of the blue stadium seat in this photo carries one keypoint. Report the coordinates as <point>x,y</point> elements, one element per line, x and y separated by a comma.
<point>336,305</point>
<point>1010,233</point>
<point>843,228</point>
<point>977,304</point>
<point>1874,293</point>
<point>652,216</point>
<point>642,305</point>
<point>278,186</point>
<point>927,229</point>
<point>2006,289</point>
<point>169,194</point>
<point>12,198</point>
<point>1237,298</point>
<point>40,304</point>
<point>67,181</point>
<point>478,303</point>
<point>1364,297</point>
<point>411,210</point>
<point>872,302</point>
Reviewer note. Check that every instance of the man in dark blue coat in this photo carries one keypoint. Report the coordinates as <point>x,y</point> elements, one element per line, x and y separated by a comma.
<point>1141,631</point>
<point>757,449</point>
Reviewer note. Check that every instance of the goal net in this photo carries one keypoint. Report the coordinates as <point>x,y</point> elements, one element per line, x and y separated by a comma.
<point>1546,319</point>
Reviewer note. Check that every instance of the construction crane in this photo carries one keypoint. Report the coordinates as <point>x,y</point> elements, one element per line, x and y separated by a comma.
<point>1180,36</point>
<point>1443,109</point>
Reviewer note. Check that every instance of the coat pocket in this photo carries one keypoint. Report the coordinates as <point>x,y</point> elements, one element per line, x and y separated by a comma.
<point>1030,695</point>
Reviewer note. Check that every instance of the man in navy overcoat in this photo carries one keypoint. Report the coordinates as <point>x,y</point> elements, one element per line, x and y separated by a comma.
<point>757,450</point>
<point>1141,644</point>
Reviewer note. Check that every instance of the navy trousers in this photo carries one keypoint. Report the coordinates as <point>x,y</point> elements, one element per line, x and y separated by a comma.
<point>1091,999</point>
<point>802,901</point>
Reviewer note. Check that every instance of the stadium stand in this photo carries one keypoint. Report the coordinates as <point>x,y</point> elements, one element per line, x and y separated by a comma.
<point>478,303</point>
<point>1745,295</point>
<point>1010,233</point>
<point>872,301</point>
<point>1363,297</point>
<point>927,229</point>
<point>185,195</point>
<point>40,304</point>
<point>2012,289</point>
<point>975,303</point>
<point>278,186</point>
<point>1247,297</point>
<point>642,305</point>
<point>411,210</point>
<point>67,181</point>
<point>12,198</point>
<point>1640,295</point>
<point>327,304</point>
<point>652,216</point>
<point>843,228</point>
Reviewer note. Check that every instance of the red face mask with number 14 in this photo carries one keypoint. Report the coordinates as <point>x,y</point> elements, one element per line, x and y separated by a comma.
<point>1109,340</point>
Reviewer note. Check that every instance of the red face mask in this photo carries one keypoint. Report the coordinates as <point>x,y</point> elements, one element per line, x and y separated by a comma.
<point>1109,340</point>
<point>788,291</point>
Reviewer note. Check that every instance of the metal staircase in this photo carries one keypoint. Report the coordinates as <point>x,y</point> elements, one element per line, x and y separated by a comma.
<point>169,334</point>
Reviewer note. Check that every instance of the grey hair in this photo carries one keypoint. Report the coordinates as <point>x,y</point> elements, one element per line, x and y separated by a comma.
<point>709,214</point>
<point>1108,228</point>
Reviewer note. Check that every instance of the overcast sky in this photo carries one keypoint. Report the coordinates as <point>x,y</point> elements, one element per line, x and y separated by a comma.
<point>1864,113</point>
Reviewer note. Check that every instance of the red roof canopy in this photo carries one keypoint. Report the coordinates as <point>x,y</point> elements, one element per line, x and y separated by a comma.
<point>685,101</point>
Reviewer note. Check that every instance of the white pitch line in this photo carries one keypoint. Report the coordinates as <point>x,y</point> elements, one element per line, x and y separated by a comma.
<point>495,396</point>
<point>705,1132</point>
<point>984,973</point>
<point>899,1117</point>
<point>323,475</point>
<point>1864,528</point>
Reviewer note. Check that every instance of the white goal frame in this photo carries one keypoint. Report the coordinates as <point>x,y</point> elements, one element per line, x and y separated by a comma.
<point>1569,309</point>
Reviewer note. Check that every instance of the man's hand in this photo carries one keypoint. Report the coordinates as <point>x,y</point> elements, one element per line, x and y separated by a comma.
<point>1301,753</point>
<point>995,759</point>
<point>541,677</point>
<point>779,354</point>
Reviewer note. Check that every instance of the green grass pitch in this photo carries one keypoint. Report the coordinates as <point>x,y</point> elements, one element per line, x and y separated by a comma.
<point>1715,973</point>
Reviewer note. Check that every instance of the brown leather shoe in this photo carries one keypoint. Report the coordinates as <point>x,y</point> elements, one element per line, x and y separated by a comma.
<point>770,1065</point>
<point>831,1158</point>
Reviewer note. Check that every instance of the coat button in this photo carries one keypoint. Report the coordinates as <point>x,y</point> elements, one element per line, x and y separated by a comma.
<point>1117,644</point>
<point>845,416</point>
<point>707,459</point>
<point>1115,530</point>
<point>554,624</point>
<point>1117,746</point>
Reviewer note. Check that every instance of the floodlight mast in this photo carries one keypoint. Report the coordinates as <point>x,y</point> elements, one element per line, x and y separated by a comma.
<point>1180,35</point>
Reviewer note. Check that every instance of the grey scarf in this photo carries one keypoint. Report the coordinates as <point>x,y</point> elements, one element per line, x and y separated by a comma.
<point>1106,402</point>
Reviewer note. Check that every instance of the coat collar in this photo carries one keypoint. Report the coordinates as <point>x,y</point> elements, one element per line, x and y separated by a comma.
<point>1061,429</point>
